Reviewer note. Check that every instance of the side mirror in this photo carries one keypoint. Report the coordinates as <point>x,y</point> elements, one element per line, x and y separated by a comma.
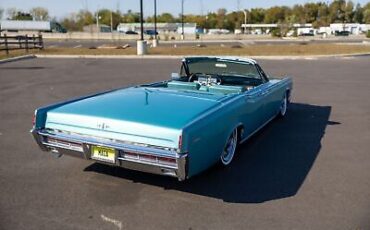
<point>175,76</point>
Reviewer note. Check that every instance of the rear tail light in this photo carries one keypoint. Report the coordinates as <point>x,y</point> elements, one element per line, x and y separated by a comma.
<point>149,158</point>
<point>180,142</point>
<point>64,144</point>
<point>34,120</point>
<point>130,155</point>
<point>167,161</point>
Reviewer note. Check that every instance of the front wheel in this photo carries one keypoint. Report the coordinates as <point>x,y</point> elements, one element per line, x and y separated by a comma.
<point>283,106</point>
<point>229,149</point>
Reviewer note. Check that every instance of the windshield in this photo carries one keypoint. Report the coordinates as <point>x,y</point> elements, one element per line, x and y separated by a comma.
<point>222,67</point>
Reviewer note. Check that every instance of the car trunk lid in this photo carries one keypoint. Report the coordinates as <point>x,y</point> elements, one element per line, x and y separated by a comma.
<point>143,115</point>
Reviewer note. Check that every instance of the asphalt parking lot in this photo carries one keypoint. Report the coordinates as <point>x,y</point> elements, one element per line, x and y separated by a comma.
<point>308,171</point>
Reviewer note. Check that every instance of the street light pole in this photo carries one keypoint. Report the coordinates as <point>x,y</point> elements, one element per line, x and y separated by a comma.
<point>111,21</point>
<point>182,20</point>
<point>141,21</point>
<point>141,44</point>
<point>155,19</point>
<point>97,22</point>
<point>245,20</point>
<point>155,40</point>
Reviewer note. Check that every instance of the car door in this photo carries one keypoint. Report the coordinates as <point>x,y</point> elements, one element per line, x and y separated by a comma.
<point>270,93</point>
<point>272,99</point>
<point>254,115</point>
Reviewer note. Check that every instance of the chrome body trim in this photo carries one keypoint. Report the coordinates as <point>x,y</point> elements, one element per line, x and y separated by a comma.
<point>178,169</point>
<point>109,143</point>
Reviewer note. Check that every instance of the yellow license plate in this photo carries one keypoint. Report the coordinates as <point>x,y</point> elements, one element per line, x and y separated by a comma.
<point>103,154</point>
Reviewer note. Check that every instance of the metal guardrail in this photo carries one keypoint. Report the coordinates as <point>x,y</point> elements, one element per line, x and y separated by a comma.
<point>17,42</point>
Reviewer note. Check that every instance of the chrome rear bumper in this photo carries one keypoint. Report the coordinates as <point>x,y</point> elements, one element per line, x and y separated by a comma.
<point>80,146</point>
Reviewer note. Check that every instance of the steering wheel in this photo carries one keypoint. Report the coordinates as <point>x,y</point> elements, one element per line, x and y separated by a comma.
<point>208,79</point>
<point>218,79</point>
<point>192,77</point>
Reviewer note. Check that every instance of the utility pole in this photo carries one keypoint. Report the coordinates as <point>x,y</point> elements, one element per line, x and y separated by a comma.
<point>141,44</point>
<point>155,19</point>
<point>155,41</point>
<point>97,22</point>
<point>111,21</point>
<point>141,21</point>
<point>182,20</point>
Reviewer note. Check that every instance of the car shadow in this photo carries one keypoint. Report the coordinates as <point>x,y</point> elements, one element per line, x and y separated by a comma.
<point>271,165</point>
<point>23,67</point>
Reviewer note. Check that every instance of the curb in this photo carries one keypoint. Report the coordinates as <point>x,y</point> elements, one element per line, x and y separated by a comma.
<point>24,57</point>
<point>308,57</point>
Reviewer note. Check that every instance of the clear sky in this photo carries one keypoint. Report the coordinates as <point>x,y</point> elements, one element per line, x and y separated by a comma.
<point>61,8</point>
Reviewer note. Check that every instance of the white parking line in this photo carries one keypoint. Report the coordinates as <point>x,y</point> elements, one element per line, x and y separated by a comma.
<point>117,223</point>
<point>346,58</point>
<point>78,46</point>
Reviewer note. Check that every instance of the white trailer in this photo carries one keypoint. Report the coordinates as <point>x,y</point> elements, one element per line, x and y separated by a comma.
<point>41,26</point>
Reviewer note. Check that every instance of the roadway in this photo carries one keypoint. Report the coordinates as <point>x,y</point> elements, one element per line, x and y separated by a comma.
<point>81,43</point>
<point>307,171</point>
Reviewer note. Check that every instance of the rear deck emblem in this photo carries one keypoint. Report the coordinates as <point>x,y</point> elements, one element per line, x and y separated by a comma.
<point>102,126</point>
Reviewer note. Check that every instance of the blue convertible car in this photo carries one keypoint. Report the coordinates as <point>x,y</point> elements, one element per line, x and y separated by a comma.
<point>178,127</point>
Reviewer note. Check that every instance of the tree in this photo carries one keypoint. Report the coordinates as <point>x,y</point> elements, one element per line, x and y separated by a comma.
<point>221,14</point>
<point>70,23</point>
<point>22,16</point>
<point>366,11</point>
<point>131,17</point>
<point>40,14</point>
<point>275,14</point>
<point>11,13</point>
<point>323,15</point>
<point>234,20</point>
<point>165,18</point>
<point>15,14</point>
<point>76,22</point>
<point>311,12</point>
<point>348,12</point>
<point>336,11</point>
<point>298,14</point>
<point>256,15</point>
<point>106,16</point>
<point>211,20</point>
<point>84,18</point>
<point>358,14</point>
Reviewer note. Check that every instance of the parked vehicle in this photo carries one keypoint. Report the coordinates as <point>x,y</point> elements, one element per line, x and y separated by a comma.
<point>131,32</point>
<point>307,34</point>
<point>178,127</point>
<point>342,33</point>
<point>151,32</point>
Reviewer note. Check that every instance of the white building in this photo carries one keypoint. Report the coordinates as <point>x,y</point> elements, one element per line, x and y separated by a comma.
<point>266,28</point>
<point>353,28</point>
<point>189,28</point>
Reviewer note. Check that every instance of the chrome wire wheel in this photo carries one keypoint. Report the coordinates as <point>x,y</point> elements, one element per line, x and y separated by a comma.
<point>230,147</point>
<point>283,106</point>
